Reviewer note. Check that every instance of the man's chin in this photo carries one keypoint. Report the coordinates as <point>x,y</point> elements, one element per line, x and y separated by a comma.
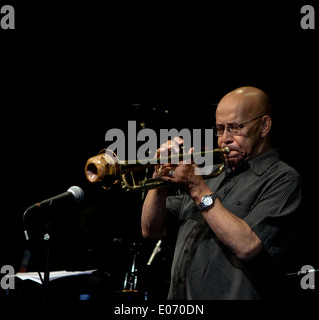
<point>234,162</point>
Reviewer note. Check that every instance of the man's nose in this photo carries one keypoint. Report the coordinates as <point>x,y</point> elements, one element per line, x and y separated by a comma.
<point>226,138</point>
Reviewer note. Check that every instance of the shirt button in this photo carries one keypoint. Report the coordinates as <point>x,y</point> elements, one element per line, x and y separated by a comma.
<point>186,251</point>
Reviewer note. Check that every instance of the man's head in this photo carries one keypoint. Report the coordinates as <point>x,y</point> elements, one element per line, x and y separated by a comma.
<point>243,121</point>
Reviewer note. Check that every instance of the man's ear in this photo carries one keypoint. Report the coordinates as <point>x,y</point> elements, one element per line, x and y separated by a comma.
<point>266,125</point>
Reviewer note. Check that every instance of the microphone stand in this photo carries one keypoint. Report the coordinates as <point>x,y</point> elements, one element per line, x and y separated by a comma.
<point>46,277</point>
<point>77,194</point>
<point>47,240</point>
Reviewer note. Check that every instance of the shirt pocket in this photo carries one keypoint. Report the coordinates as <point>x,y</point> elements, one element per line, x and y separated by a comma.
<point>239,208</point>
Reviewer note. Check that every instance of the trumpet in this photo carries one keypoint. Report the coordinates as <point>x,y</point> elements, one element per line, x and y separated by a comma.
<point>106,169</point>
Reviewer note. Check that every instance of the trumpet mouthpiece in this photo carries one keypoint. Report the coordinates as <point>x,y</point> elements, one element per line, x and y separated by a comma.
<point>225,150</point>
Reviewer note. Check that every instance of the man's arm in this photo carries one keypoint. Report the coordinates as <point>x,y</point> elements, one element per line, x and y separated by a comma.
<point>234,232</point>
<point>154,214</point>
<point>153,219</point>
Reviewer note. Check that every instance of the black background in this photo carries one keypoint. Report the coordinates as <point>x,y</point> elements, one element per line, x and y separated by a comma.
<point>69,72</point>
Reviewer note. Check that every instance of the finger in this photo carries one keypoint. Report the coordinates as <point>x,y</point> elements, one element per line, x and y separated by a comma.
<point>157,172</point>
<point>174,146</point>
<point>164,178</point>
<point>169,147</point>
<point>165,171</point>
<point>189,160</point>
<point>178,140</point>
<point>168,172</point>
<point>157,153</point>
<point>169,144</point>
<point>169,165</point>
<point>191,150</point>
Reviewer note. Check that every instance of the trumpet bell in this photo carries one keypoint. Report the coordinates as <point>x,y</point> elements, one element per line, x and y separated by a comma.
<point>103,168</point>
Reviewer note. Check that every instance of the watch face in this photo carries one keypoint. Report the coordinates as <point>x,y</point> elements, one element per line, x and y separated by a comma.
<point>207,200</point>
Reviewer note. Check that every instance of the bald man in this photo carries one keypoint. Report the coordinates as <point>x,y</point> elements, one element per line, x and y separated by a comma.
<point>234,228</point>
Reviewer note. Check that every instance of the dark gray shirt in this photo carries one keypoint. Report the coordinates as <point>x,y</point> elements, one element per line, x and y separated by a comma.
<point>264,192</point>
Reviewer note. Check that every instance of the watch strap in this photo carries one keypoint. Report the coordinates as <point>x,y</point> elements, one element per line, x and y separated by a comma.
<point>202,206</point>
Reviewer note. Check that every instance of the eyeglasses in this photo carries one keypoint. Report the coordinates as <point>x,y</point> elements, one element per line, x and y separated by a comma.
<point>232,128</point>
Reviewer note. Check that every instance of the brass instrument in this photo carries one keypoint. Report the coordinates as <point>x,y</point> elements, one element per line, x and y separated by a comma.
<point>106,169</point>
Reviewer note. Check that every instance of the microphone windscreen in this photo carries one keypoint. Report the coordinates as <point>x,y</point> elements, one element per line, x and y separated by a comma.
<point>77,192</point>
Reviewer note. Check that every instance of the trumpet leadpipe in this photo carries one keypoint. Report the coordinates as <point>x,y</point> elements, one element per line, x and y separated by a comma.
<point>146,163</point>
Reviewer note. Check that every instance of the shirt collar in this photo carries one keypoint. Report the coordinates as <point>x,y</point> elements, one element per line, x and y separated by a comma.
<point>258,165</point>
<point>261,163</point>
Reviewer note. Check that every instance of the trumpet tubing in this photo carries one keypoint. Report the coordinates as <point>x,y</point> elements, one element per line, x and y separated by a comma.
<point>106,169</point>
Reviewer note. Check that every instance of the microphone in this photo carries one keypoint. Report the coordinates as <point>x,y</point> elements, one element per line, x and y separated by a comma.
<point>74,194</point>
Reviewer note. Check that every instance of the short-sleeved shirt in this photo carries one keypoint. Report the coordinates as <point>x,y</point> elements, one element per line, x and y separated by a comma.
<point>266,193</point>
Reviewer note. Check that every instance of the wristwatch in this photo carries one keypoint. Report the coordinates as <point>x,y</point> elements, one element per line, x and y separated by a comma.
<point>207,201</point>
